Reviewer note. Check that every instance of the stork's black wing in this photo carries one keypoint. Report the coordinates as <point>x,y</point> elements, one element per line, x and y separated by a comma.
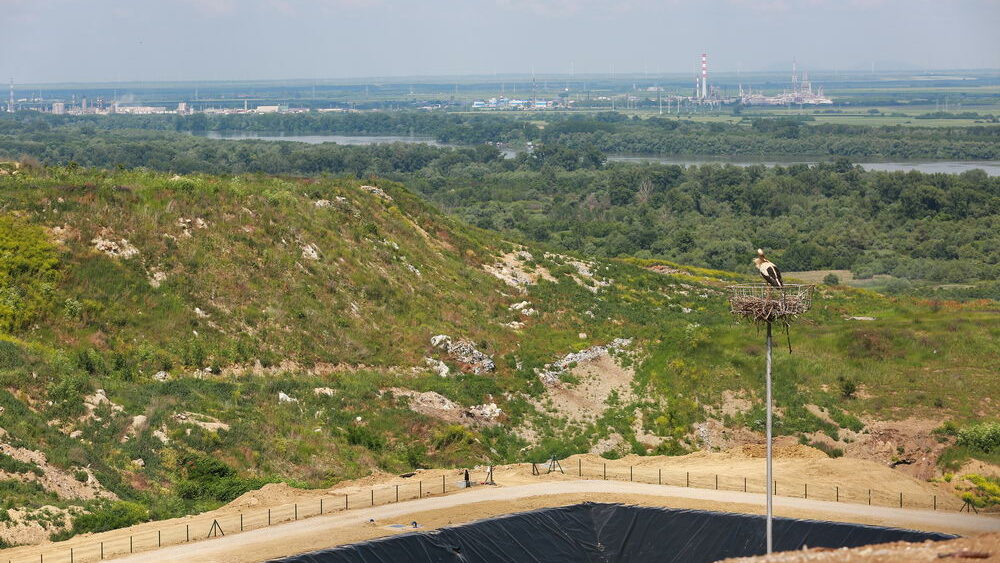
<point>772,276</point>
<point>777,275</point>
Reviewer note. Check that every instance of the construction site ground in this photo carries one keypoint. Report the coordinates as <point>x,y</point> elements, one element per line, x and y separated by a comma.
<point>518,489</point>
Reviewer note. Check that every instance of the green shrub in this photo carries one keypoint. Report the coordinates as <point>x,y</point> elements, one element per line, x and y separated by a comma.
<point>986,492</point>
<point>366,437</point>
<point>831,279</point>
<point>845,420</point>
<point>11,465</point>
<point>948,428</point>
<point>118,514</point>
<point>28,272</point>
<point>207,478</point>
<point>828,449</point>
<point>984,437</point>
<point>848,387</point>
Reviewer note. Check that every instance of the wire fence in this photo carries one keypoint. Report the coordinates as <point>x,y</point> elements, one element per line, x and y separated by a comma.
<point>201,528</point>
<point>780,487</point>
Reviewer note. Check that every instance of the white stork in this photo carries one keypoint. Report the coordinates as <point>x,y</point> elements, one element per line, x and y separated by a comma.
<point>767,269</point>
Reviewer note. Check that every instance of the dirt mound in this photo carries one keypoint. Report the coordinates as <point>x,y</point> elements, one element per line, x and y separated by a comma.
<point>798,451</point>
<point>271,494</point>
<point>980,548</point>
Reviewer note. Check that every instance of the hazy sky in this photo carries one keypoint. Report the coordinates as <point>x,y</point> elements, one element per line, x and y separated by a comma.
<point>152,40</point>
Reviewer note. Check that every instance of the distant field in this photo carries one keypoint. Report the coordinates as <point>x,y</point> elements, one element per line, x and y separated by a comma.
<point>845,276</point>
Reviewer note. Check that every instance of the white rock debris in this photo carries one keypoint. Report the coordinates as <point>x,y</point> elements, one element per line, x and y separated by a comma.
<point>551,372</point>
<point>310,252</point>
<point>438,366</point>
<point>209,423</point>
<point>200,313</point>
<point>161,376</point>
<point>323,391</point>
<point>464,352</point>
<point>156,278</point>
<point>524,308</point>
<point>488,412</point>
<point>283,398</point>
<point>378,192</point>
<point>114,248</point>
<point>322,203</point>
<point>92,402</point>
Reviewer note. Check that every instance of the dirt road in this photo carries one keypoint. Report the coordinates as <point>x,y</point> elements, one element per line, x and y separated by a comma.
<point>484,502</point>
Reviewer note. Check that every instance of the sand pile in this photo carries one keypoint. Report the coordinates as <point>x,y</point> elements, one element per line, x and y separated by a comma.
<point>985,547</point>
<point>798,451</point>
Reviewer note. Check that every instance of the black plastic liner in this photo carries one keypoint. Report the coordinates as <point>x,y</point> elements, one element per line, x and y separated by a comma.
<point>609,533</point>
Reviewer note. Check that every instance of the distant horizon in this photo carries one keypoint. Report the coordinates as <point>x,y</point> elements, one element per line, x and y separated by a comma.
<point>446,78</point>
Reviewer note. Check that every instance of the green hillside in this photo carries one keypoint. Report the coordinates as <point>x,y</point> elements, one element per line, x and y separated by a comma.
<point>250,328</point>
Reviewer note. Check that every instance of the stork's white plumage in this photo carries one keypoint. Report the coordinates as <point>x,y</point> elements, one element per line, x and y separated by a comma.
<point>767,269</point>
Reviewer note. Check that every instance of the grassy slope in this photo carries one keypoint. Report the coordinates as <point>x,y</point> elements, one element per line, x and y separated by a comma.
<point>100,323</point>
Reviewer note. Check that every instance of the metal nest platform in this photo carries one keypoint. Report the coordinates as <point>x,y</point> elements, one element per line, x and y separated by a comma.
<point>763,303</point>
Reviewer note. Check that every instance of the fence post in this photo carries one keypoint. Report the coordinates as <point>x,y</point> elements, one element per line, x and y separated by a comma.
<point>102,550</point>
<point>320,507</point>
<point>397,493</point>
<point>296,511</point>
<point>687,478</point>
<point>744,484</point>
<point>241,519</point>
<point>373,497</point>
<point>659,476</point>
<point>605,471</point>
<point>716,481</point>
<point>71,555</point>
<point>268,516</point>
<point>579,466</point>
<point>869,497</point>
<point>935,502</point>
<point>901,499</point>
<point>838,493</point>
<point>420,489</point>
<point>345,503</point>
<point>442,485</point>
<point>805,487</point>
<point>775,491</point>
<point>159,535</point>
<point>630,473</point>
<point>187,527</point>
<point>130,549</point>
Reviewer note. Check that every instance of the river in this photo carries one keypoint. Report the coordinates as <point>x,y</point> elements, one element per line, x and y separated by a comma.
<point>991,167</point>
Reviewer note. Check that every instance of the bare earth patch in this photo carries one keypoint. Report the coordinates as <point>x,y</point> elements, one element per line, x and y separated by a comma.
<point>512,268</point>
<point>587,400</point>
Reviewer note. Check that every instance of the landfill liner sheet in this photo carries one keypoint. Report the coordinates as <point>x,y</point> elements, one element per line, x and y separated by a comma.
<point>609,533</point>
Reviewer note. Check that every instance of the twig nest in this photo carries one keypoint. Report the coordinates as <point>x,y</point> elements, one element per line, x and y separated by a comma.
<point>763,303</point>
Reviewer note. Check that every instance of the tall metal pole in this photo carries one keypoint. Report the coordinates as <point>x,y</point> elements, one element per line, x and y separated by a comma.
<point>770,477</point>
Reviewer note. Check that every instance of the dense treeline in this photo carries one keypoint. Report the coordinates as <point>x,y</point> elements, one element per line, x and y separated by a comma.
<point>769,137</point>
<point>912,225</point>
<point>608,132</point>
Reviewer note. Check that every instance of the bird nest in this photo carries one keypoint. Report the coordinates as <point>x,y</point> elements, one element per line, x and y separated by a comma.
<point>762,303</point>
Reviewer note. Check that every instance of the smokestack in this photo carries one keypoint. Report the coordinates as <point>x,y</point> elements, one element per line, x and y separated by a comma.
<point>704,76</point>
